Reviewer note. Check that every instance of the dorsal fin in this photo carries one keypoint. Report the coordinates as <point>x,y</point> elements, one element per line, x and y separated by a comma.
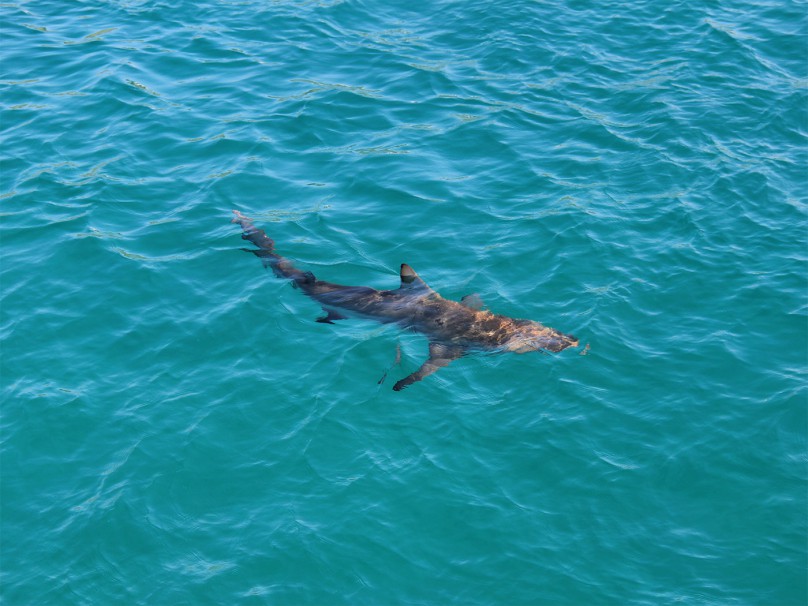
<point>410,279</point>
<point>472,301</point>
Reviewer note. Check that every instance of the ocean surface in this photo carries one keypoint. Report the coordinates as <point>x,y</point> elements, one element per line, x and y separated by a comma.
<point>177,430</point>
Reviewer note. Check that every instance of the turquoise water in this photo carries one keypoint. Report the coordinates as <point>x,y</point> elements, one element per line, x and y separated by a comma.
<point>176,429</point>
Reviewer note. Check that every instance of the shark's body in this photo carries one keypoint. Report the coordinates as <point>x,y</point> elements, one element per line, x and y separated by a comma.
<point>453,328</point>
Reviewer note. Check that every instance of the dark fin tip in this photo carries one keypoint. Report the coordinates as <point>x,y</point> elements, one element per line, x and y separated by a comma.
<point>407,274</point>
<point>329,317</point>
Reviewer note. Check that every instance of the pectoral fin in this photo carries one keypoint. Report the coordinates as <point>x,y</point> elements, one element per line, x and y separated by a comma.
<point>440,355</point>
<point>395,362</point>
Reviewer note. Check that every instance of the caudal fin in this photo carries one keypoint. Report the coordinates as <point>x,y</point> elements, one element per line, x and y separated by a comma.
<point>253,234</point>
<point>281,266</point>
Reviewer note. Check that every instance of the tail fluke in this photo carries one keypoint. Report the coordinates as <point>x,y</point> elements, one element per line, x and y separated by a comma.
<point>281,266</point>
<point>253,234</point>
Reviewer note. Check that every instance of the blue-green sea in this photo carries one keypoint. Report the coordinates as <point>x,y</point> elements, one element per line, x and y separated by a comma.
<point>176,429</point>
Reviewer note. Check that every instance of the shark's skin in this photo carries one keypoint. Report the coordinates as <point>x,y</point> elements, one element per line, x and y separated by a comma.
<point>454,329</point>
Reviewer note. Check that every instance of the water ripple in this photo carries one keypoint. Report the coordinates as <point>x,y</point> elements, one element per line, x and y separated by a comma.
<point>172,410</point>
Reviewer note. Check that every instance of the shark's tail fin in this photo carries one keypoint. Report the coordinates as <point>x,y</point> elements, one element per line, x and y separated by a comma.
<point>281,266</point>
<point>253,234</point>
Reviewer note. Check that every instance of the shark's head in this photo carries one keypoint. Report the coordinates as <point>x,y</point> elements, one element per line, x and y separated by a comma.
<point>533,336</point>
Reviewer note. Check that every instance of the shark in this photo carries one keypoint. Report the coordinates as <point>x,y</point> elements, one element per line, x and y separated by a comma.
<point>454,329</point>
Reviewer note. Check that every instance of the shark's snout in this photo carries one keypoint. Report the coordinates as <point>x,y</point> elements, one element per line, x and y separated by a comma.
<point>533,336</point>
<point>560,342</point>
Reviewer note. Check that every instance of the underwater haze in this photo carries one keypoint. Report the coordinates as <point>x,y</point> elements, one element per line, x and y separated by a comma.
<point>178,430</point>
